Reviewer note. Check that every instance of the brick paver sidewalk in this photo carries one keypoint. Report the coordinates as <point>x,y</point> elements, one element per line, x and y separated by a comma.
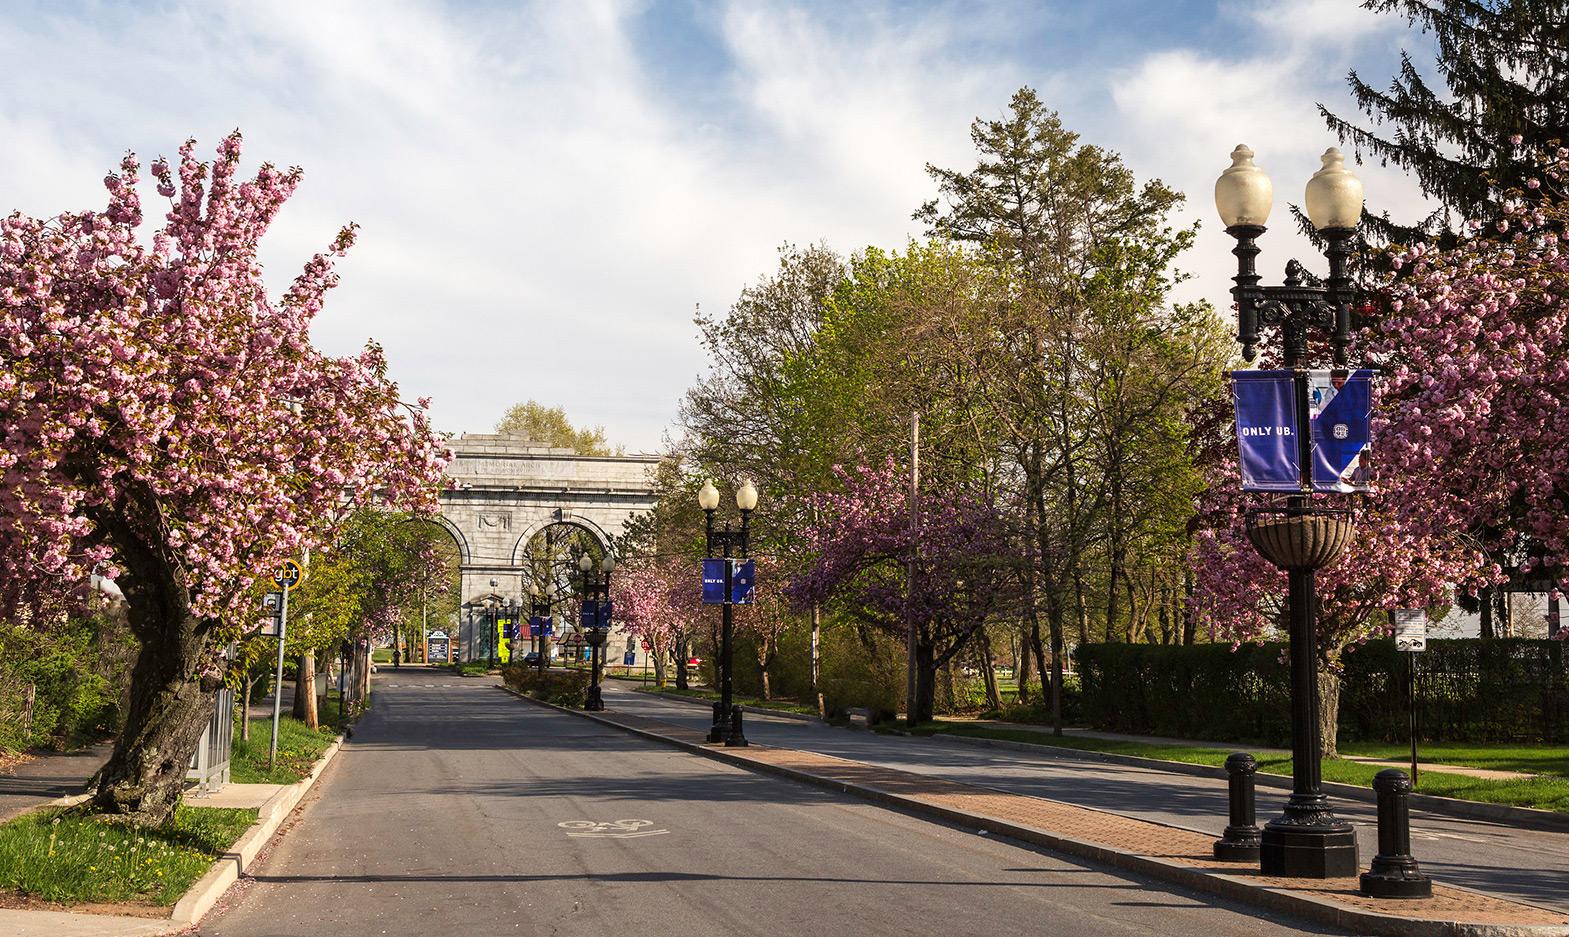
<point>1162,845</point>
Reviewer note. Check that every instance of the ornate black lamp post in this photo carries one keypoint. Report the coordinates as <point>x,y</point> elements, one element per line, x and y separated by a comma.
<point>727,729</point>
<point>596,593</point>
<point>1308,840</point>
<point>540,604</point>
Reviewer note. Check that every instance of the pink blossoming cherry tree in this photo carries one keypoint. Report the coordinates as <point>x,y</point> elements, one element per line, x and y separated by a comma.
<point>169,423</point>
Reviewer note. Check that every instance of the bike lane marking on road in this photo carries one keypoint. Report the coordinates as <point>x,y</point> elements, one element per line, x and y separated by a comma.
<point>613,829</point>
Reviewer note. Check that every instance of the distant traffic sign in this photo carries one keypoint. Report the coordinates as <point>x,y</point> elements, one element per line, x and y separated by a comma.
<point>288,575</point>
<point>1410,629</point>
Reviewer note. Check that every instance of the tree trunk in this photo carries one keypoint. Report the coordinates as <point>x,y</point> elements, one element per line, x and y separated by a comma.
<point>166,708</point>
<point>362,673</point>
<point>681,658</point>
<point>305,691</point>
<point>817,632</point>
<point>1082,611</point>
<point>1113,606</point>
<point>925,684</point>
<point>983,653</point>
<point>245,710</point>
<point>1021,664</point>
<point>1189,624</point>
<point>767,691</point>
<point>1486,595</point>
<point>1328,711</point>
<point>1055,626</point>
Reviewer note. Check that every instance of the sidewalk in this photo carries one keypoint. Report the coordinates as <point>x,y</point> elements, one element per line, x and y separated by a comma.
<point>1163,851</point>
<point>1490,774</point>
<point>48,777</point>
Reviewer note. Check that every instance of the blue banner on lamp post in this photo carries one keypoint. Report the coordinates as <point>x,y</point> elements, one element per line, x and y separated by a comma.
<point>743,582</point>
<point>1340,406</point>
<point>714,582</point>
<point>1267,431</point>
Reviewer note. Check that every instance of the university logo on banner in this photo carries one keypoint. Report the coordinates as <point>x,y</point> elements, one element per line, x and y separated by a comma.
<point>1340,406</point>
<point>714,582</point>
<point>1267,430</point>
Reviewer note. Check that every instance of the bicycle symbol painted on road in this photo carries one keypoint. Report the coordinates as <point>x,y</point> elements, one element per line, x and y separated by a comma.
<point>615,829</point>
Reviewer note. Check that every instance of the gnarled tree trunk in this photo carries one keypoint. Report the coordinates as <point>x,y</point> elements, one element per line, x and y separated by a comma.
<point>168,706</point>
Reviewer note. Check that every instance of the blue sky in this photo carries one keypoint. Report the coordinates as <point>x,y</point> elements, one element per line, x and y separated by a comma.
<point>547,189</point>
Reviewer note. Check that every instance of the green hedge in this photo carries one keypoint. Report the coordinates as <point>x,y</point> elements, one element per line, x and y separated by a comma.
<point>1469,690</point>
<point>1201,691</point>
<point>558,687</point>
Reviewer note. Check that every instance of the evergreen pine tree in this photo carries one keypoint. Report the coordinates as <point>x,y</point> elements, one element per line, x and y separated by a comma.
<point>1505,65</point>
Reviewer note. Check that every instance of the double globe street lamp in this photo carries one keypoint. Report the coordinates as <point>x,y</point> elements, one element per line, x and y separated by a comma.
<point>727,717</point>
<point>596,620</point>
<point>541,604</point>
<point>1307,840</point>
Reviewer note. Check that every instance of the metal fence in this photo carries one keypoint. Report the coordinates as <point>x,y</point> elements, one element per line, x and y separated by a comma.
<point>210,765</point>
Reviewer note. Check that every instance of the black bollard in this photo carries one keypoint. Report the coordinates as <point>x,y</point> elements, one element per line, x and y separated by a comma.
<point>1394,873</point>
<point>716,733</point>
<point>1241,840</point>
<point>737,738</point>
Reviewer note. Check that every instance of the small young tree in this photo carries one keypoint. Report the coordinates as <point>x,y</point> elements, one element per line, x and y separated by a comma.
<point>167,418</point>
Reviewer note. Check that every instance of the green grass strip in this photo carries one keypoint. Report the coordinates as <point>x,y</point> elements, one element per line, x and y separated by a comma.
<point>1544,793</point>
<point>299,746</point>
<point>780,705</point>
<point>71,857</point>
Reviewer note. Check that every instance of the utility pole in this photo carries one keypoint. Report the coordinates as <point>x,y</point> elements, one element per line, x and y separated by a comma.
<point>915,540</point>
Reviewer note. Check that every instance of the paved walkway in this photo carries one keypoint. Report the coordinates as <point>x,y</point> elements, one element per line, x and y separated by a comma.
<point>1118,833</point>
<point>48,777</point>
<point>1528,865</point>
<point>1491,774</point>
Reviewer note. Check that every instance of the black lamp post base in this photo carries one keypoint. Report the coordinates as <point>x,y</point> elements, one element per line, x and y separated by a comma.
<point>1302,851</point>
<point>1238,846</point>
<point>1397,884</point>
<point>595,701</point>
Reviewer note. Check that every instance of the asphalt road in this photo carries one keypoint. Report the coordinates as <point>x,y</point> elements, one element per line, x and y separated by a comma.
<point>1527,865</point>
<point>457,809</point>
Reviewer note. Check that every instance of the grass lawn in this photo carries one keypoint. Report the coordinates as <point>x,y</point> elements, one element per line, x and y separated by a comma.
<point>781,705</point>
<point>298,748</point>
<point>1534,759</point>
<point>72,857</point>
<point>1547,793</point>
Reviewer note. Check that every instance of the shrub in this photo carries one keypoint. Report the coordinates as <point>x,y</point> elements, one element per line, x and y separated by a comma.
<point>558,687</point>
<point>79,671</point>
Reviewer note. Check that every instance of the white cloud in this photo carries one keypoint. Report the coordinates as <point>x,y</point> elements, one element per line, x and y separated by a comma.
<point>540,213</point>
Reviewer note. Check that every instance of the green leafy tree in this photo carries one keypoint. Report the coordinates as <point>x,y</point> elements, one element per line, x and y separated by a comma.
<point>549,426</point>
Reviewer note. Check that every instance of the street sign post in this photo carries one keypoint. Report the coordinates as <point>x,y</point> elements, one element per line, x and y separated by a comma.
<point>1411,637</point>
<point>286,577</point>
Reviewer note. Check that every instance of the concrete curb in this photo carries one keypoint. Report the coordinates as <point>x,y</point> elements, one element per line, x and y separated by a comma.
<point>227,869</point>
<point>1530,817</point>
<point>758,710</point>
<point>1227,886</point>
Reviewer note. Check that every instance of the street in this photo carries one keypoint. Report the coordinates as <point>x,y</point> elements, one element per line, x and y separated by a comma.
<point>457,808</point>
<point>1527,865</point>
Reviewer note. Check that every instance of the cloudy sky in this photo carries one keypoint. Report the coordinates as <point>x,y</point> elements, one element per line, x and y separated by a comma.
<point>546,190</point>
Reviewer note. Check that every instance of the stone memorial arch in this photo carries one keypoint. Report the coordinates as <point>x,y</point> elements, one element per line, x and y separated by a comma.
<point>506,490</point>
